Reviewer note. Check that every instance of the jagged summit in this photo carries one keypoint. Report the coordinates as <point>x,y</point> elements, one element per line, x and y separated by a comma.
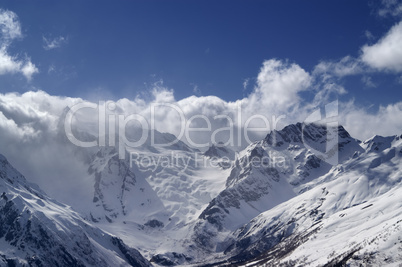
<point>301,132</point>
<point>332,144</point>
<point>219,151</point>
<point>271,172</point>
<point>180,209</point>
<point>378,143</point>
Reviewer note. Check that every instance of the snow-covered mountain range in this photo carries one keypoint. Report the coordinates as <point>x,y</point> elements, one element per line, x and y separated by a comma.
<point>38,231</point>
<point>277,202</point>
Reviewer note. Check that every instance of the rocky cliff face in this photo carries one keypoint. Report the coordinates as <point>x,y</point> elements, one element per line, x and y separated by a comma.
<point>38,231</point>
<point>280,202</point>
<point>268,173</point>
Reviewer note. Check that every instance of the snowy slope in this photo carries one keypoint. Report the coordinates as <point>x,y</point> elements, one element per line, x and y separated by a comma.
<point>266,174</point>
<point>276,202</point>
<point>181,207</point>
<point>38,231</point>
<point>223,156</point>
<point>118,192</point>
<point>151,198</point>
<point>153,203</point>
<point>353,216</point>
<point>378,143</point>
<point>220,151</point>
<point>185,185</point>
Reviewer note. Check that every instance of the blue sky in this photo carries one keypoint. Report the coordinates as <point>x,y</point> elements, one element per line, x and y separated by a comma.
<point>116,49</point>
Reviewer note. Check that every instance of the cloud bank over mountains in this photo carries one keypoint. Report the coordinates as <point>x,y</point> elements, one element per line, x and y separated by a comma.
<point>33,136</point>
<point>283,93</point>
<point>34,117</point>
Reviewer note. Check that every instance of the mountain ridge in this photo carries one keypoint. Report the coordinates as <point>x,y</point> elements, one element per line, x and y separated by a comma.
<point>274,197</point>
<point>38,231</point>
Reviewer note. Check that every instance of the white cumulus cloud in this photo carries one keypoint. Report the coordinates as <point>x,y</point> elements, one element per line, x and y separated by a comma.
<point>10,28</point>
<point>279,84</point>
<point>386,54</point>
<point>383,56</point>
<point>32,125</point>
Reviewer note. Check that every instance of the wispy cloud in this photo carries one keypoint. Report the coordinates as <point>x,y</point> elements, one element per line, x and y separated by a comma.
<point>368,82</point>
<point>10,29</point>
<point>246,83</point>
<point>52,43</point>
<point>369,35</point>
<point>196,89</point>
<point>51,69</point>
<point>390,8</point>
<point>345,67</point>
<point>9,25</point>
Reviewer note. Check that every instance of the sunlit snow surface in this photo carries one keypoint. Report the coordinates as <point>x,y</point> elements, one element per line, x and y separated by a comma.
<point>304,211</point>
<point>182,190</point>
<point>354,213</point>
<point>177,205</point>
<point>36,230</point>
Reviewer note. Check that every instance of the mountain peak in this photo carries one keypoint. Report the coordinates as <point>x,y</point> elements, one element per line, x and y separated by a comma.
<point>378,143</point>
<point>219,151</point>
<point>2,157</point>
<point>39,231</point>
<point>301,132</point>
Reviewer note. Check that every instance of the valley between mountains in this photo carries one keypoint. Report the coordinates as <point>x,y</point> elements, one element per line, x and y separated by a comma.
<point>275,203</point>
